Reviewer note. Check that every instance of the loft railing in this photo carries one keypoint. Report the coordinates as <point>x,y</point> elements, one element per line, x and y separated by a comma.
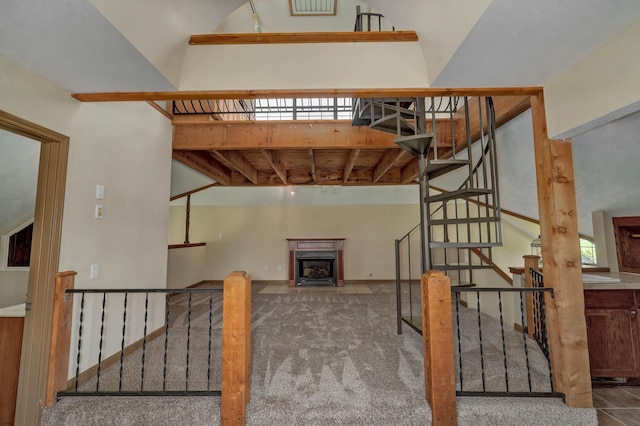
<point>174,345</point>
<point>492,358</point>
<point>180,357</point>
<point>272,109</point>
<point>408,272</point>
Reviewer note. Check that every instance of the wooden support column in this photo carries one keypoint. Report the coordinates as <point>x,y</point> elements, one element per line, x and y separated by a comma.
<point>561,262</point>
<point>437,337</point>
<point>60,336</point>
<point>530,261</point>
<point>236,348</point>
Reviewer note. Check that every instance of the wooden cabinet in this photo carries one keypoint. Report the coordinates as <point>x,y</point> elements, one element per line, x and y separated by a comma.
<point>612,331</point>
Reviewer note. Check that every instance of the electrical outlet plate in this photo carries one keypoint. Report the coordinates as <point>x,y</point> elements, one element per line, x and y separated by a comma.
<point>99,211</point>
<point>95,271</point>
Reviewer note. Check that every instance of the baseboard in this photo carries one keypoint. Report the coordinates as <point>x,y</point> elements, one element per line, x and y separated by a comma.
<point>518,327</point>
<point>464,303</point>
<point>113,359</point>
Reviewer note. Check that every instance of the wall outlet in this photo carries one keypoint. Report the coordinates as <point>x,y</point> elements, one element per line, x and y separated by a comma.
<point>95,271</point>
<point>99,211</point>
<point>279,267</point>
<point>220,236</point>
<point>99,192</point>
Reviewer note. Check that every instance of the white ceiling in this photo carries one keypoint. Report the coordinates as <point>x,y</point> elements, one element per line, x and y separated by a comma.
<point>120,45</point>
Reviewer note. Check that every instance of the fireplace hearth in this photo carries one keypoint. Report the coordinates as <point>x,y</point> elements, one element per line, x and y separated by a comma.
<point>316,262</point>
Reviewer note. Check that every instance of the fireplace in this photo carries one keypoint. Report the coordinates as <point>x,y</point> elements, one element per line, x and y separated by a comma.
<point>316,262</point>
<point>316,268</point>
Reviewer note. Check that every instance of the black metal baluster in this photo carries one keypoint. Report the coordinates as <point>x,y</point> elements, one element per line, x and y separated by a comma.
<point>144,339</point>
<point>546,339</point>
<point>504,346</point>
<point>124,329</point>
<point>210,335</point>
<point>459,340</point>
<point>166,341</point>
<point>524,339</point>
<point>104,302</point>
<point>79,342</point>
<point>188,343</point>
<point>484,389</point>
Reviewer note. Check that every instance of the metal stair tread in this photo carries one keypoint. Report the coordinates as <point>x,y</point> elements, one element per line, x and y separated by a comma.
<point>464,220</point>
<point>436,244</point>
<point>389,124</point>
<point>415,145</point>
<point>461,193</point>
<point>459,267</point>
<point>437,168</point>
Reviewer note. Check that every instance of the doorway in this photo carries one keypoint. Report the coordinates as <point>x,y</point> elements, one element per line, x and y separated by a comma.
<point>45,254</point>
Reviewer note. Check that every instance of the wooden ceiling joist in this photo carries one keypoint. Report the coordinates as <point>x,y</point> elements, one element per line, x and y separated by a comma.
<point>204,163</point>
<point>310,93</point>
<point>303,37</point>
<point>351,161</point>
<point>388,160</point>
<point>276,164</point>
<point>235,160</point>
<point>279,135</point>
<point>312,162</point>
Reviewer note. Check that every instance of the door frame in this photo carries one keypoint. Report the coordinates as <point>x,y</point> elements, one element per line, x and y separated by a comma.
<point>45,255</point>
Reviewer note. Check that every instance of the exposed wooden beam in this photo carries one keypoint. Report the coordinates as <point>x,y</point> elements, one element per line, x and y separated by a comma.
<point>279,135</point>
<point>235,160</point>
<point>160,110</point>
<point>351,161</point>
<point>388,160</point>
<point>410,172</point>
<point>310,93</point>
<point>276,164</point>
<point>312,162</point>
<point>204,163</point>
<point>304,37</point>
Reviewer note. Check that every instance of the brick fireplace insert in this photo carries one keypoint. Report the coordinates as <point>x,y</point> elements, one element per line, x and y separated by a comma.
<point>316,261</point>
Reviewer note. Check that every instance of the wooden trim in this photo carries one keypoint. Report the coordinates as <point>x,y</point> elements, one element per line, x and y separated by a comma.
<point>193,191</point>
<point>91,372</point>
<point>45,256</point>
<point>195,95</point>
<point>60,336</point>
<point>306,37</point>
<point>160,110</point>
<point>177,246</point>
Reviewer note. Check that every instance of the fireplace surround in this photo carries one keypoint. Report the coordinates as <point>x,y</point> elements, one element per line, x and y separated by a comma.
<point>314,261</point>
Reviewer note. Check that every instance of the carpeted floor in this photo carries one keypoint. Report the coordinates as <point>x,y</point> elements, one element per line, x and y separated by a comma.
<point>318,358</point>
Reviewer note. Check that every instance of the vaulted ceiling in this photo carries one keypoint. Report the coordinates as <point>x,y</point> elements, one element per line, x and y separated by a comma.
<point>115,46</point>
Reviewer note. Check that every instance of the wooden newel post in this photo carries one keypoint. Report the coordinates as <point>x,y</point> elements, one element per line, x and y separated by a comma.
<point>530,261</point>
<point>437,336</point>
<point>60,336</point>
<point>236,348</point>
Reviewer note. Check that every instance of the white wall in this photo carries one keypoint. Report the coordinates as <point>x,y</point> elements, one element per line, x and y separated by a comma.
<point>13,287</point>
<point>254,237</point>
<point>126,148</point>
<point>185,266</point>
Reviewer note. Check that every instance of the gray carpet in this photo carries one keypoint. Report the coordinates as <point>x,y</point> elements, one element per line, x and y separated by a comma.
<point>317,359</point>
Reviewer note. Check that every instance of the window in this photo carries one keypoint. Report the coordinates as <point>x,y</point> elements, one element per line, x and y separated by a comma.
<point>587,252</point>
<point>17,246</point>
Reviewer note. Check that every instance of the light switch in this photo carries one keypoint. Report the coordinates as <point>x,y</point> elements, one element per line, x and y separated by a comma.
<point>95,271</point>
<point>99,192</point>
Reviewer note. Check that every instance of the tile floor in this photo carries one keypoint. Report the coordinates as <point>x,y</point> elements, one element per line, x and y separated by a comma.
<point>617,405</point>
